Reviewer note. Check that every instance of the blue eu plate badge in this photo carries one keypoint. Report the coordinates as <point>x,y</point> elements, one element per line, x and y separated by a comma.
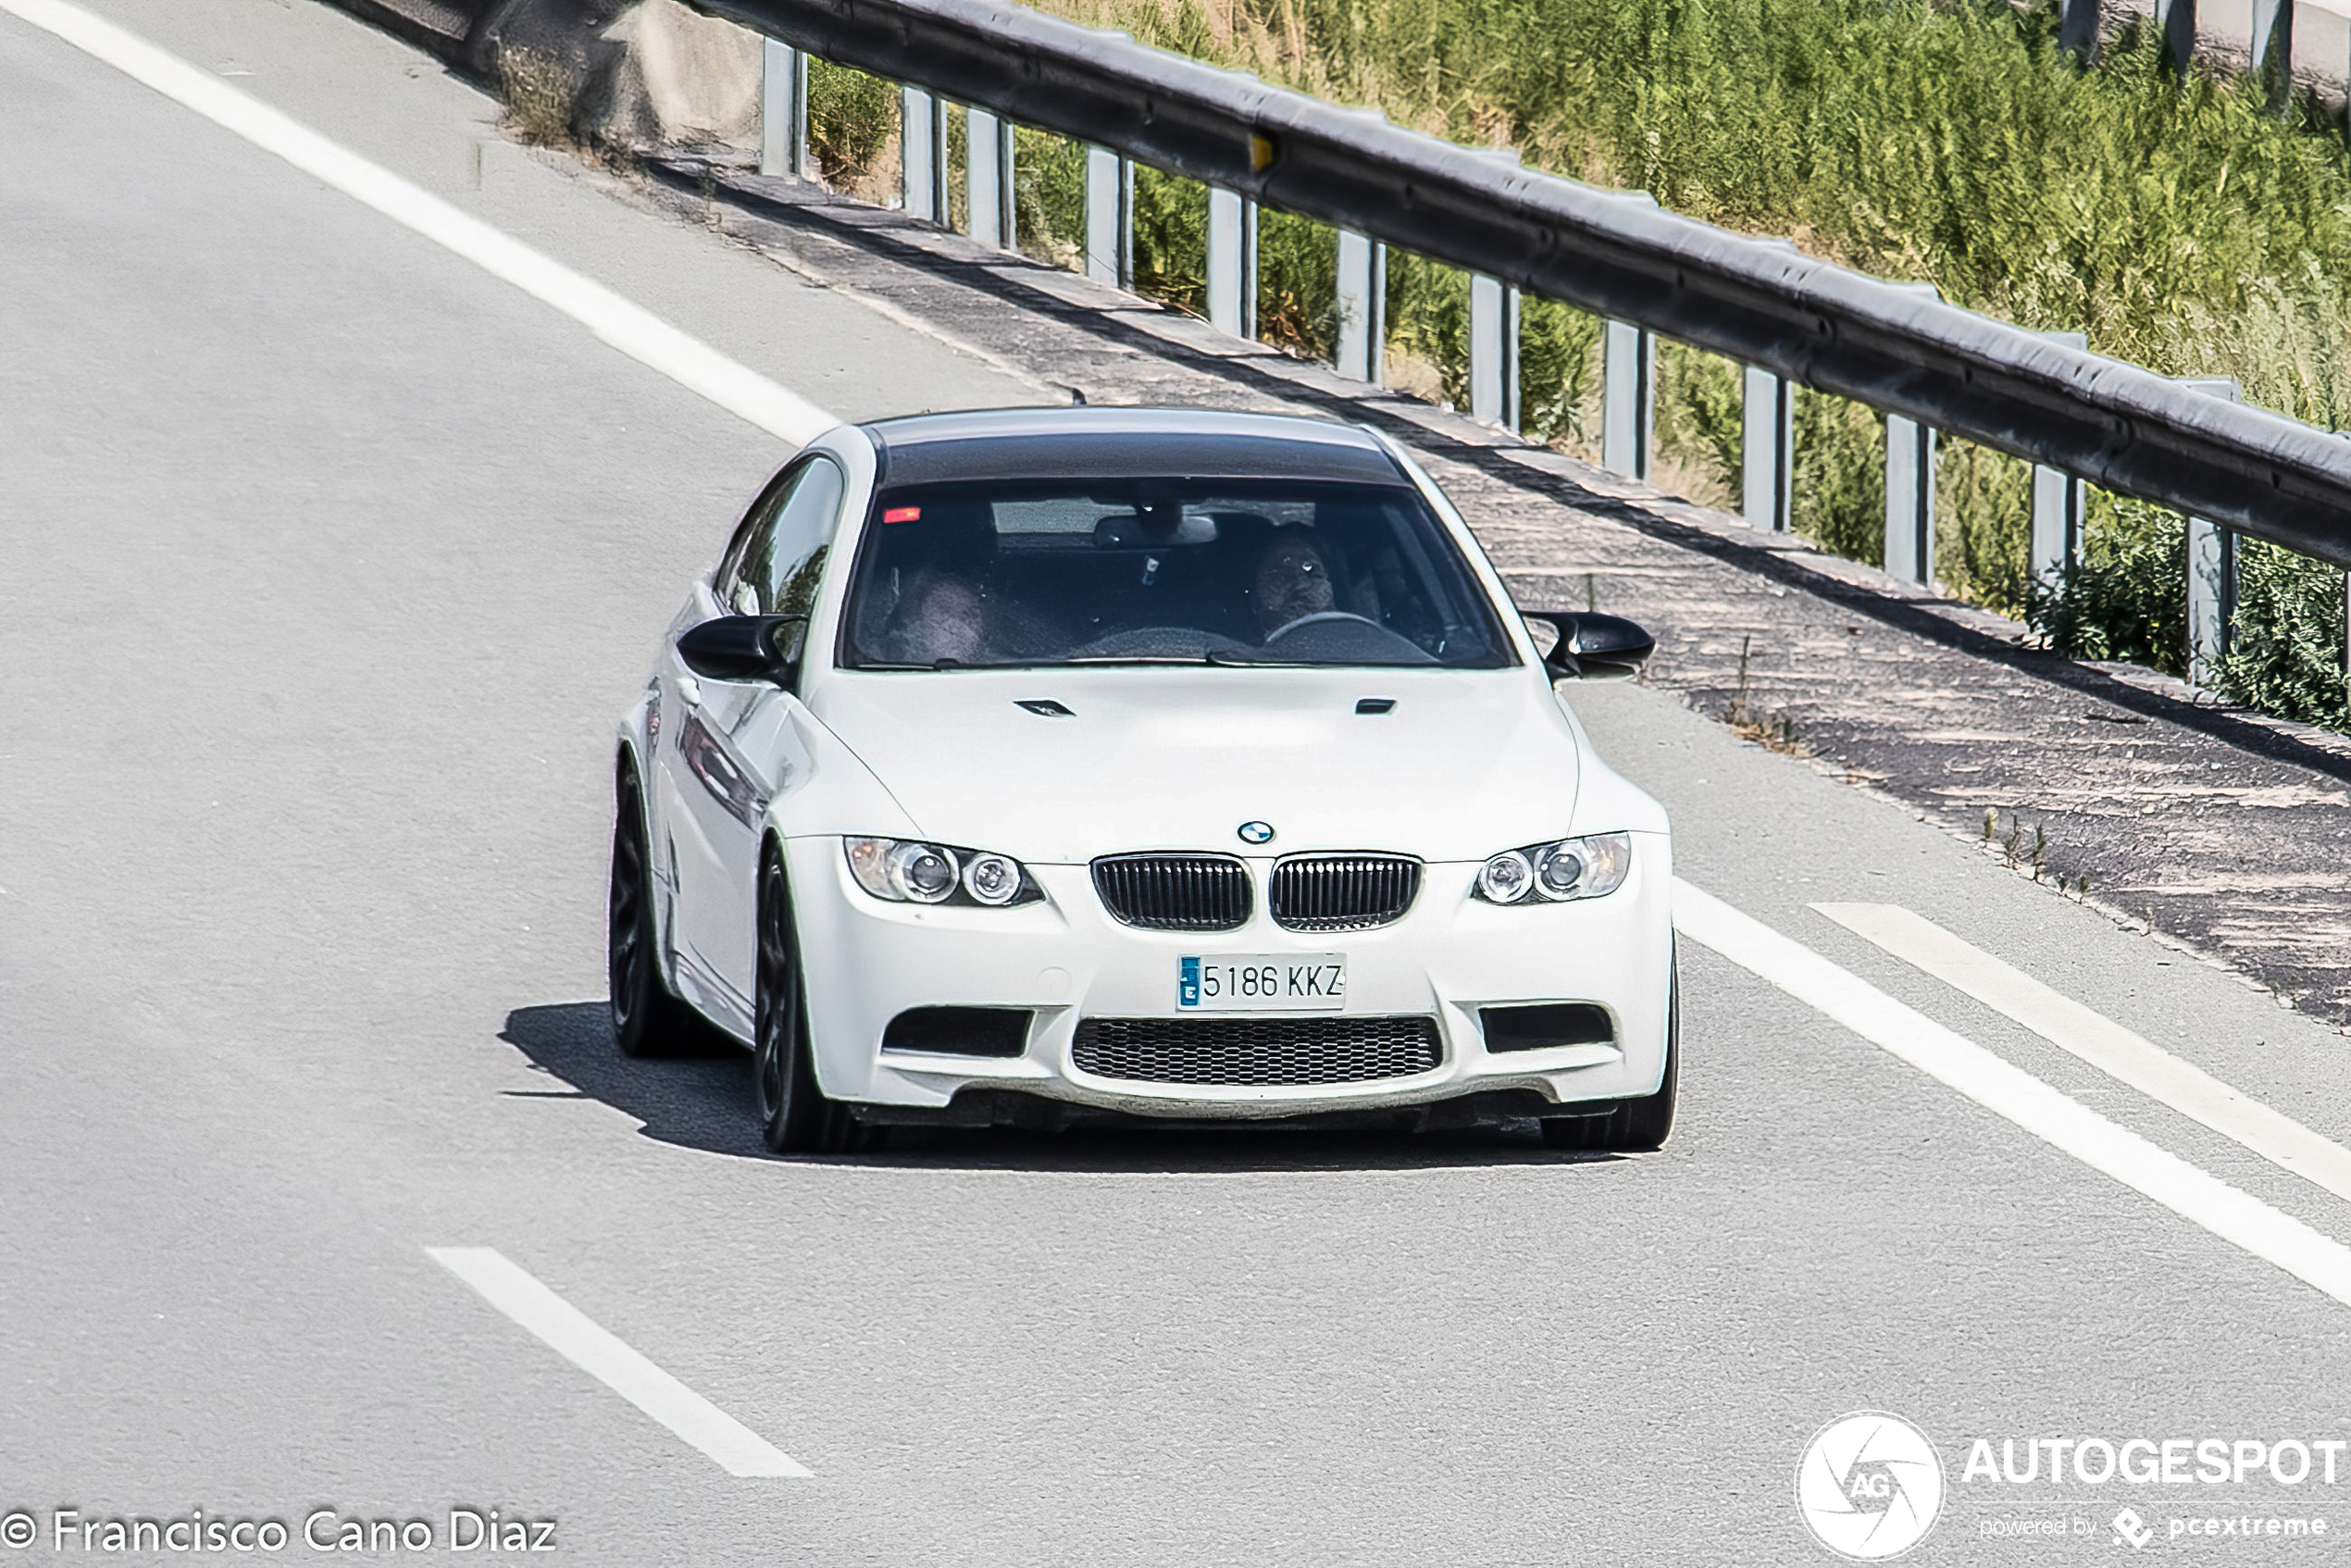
<point>1257,982</point>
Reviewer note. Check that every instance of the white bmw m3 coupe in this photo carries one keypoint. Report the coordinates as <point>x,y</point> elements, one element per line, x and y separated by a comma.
<point>1045,767</point>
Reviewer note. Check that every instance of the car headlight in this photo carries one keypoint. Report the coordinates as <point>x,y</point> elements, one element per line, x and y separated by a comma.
<point>1554,873</point>
<point>909,871</point>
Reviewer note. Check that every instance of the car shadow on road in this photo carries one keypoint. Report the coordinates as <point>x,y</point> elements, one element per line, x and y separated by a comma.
<point>702,1101</point>
<point>698,1100</point>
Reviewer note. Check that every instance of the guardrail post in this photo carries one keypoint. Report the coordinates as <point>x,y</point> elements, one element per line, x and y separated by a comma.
<point>1910,487</point>
<point>1910,500</point>
<point>2212,573</point>
<point>1232,263</point>
<point>1126,224</point>
<point>2057,522</point>
<point>783,109</point>
<point>1628,399</point>
<point>2078,29</point>
<point>1493,352</point>
<point>922,155</point>
<point>1249,267</point>
<point>1767,451</point>
<point>2175,19</point>
<point>1110,217</point>
<point>2272,49</point>
<point>1513,384</point>
<point>1767,442</point>
<point>1628,386</point>
<point>2057,506</point>
<point>1493,338</point>
<point>988,180</point>
<point>1363,306</point>
<point>2346,621</point>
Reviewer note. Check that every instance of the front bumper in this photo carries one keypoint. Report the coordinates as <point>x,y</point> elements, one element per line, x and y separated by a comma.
<point>1065,959</point>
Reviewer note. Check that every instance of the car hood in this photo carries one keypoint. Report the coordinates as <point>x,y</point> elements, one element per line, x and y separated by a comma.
<point>1465,763</point>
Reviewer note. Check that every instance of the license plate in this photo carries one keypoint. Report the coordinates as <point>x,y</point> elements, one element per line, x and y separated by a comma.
<point>1249,982</point>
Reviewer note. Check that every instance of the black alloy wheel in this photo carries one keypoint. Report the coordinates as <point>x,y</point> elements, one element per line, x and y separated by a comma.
<point>646,1019</point>
<point>795,1117</point>
<point>1630,1126</point>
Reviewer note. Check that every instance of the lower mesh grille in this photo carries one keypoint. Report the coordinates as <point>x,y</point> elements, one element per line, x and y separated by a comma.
<point>1257,1051</point>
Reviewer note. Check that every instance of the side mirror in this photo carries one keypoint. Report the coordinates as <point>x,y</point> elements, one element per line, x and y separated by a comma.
<point>746,648</point>
<point>1592,646</point>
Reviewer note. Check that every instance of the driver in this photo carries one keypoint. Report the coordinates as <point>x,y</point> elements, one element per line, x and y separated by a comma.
<point>939,619</point>
<point>1293,581</point>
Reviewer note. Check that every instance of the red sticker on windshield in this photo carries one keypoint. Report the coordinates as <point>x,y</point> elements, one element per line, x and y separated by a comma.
<point>902,515</point>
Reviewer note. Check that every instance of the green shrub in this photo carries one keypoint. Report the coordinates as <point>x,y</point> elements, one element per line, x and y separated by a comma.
<point>2288,656</point>
<point>1049,196</point>
<point>1171,239</point>
<point>2126,598</point>
<point>1838,496</point>
<point>1297,283</point>
<point>1558,374</point>
<point>1983,525</point>
<point>1428,308</point>
<point>853,125</point>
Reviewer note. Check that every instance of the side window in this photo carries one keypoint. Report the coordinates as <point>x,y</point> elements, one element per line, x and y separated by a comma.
<point>727,581</point>
<point>775,562</point>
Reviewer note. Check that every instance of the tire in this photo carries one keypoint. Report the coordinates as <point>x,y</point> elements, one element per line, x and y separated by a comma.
<point>1630,1126</point>
<point>795,1117</point>
<point>647,1019</point>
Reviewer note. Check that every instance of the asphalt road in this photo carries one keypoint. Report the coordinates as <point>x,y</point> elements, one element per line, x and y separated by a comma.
<point>326,562</point>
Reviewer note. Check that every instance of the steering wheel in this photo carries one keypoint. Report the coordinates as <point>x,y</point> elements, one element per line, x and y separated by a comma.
<point>1318,618</point>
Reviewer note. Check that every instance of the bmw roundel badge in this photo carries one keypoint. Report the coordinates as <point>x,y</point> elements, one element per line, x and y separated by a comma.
<point>1257,832</point>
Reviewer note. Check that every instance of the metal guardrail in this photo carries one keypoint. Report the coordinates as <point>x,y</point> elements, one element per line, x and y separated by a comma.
<point>2115,425</point>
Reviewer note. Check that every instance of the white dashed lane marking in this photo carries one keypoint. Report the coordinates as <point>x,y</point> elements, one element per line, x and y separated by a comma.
<point>589,1346</point>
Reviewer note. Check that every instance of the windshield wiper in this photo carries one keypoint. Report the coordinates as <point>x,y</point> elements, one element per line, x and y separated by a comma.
<point>1141,659</point>
<point>1226,656</point>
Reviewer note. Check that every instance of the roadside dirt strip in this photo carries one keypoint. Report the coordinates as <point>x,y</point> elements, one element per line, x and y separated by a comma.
<point>2218,828</point>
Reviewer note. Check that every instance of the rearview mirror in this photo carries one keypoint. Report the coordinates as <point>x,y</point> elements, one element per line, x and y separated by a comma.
<point>746,648</point>
<point>1592,646</point>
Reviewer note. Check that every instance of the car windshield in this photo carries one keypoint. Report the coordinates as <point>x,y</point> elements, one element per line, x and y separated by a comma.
<point>1151,571</point>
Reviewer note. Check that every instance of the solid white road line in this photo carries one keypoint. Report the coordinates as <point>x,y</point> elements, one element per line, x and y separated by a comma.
<point>625,325</point>
<point>595,1350</point>
<point>2007,1090</point>
<point>2100,1041</point>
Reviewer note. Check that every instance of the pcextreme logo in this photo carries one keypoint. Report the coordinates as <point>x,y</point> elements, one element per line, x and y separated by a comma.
<point>1869,1485</point>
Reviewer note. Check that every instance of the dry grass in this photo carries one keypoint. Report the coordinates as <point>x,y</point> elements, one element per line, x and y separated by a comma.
<point>1775,731</point>
<point>542,98</point>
